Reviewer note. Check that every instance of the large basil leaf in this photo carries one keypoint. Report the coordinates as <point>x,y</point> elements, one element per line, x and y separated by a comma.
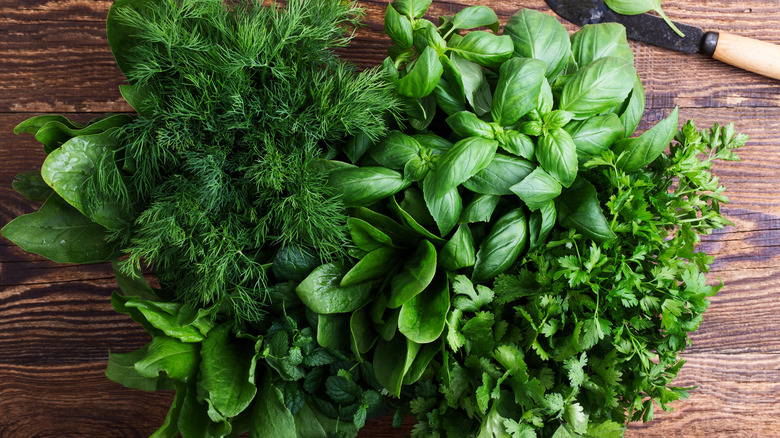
<point>415,276</point>
<point>466,158</point>
<point>594,135</point>
<point>450,98</point>
<point>423,77</point>
<point>467,124</point>
<point>519,84</point>
<point>537,189</point>
<point>445,209</point>
<point>475,85</point>
<point>636,153</point>
<point>557,154</point>
<point>69,169</point>
<point>518,144</point>
<point>227,370</point>
<point>395,150</point>
<point>480,209</point>
<point>270,416</point>
<point>178,360</point>
<point>632,115</point>
<point>540,224</point>
<point>321,292</point>
<point>500,175</point>
<point>601,85</point>
<point>475,16</point>
<point>392,360</point>
<point>61,233</point>
<point>594,41</point>
<point>541,36</point>
<point>484,48</point>
<point>578,207</point>
<point>502,246</point>
<point>422,318</point>
<point>361,186</point>
<point>398,28</point>
<point>412,8</point>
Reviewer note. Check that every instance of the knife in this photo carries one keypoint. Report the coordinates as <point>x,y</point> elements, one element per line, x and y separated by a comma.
<point>746,53</point>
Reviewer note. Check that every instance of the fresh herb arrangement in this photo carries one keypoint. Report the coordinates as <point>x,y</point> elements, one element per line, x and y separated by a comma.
<point>470,234</point>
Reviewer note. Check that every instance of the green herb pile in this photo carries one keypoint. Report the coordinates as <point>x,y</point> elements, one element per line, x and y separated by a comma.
<point>470,234</point>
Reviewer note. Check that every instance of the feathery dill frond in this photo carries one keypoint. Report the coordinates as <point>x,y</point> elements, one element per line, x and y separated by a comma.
<point>241,99</point>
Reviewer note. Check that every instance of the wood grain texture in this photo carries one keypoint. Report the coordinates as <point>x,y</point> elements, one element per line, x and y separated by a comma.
<point>57,325</point>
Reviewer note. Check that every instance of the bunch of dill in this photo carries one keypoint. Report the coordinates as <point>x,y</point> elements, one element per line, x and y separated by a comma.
<point>236,102</point>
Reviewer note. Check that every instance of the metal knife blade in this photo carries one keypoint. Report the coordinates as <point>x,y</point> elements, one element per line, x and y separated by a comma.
<point>643,27</point>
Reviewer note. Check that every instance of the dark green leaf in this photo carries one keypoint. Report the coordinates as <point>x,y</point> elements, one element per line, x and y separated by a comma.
<point>466,158</point>
<point>635,108</point>
<point>502,246</point>
<point>333,331</point>
<point>636,153</point>
<point>541,36</point>
<point>537,189</point>
<point>374,265</point>
<point>484,48</point>
<point>320,291</point>
<point>594,135</point>
<point>270,416</point>
<point>557,154</point>
<point>540,224</point>
<point>519,84</point>
<point>425,74</point>
<point>399,28</point>
<point>392,360</point>
<point>361,186</point>
<point>594,41</point>
<point>467,124</point>
<point>395,150</point>
<point>446,209</point>
<point>500,175</point>
<point>422,317</point>
<point>415,276</point>
<point>480,209</point>
<point>412,8</point>
<point>460,251</point>
<point>601,85</point>
<point>518,144</point>
<point>32,186</point>
<point>578,207</point>
<point>475,16</point>
<point>178,360</point>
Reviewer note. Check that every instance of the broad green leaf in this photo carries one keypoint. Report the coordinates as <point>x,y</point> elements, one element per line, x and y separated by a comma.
<point>557,154</point>
<point>356,146</point>
<point>62,234</point>
<point>636,153</point>
<point>361,186</point>
<point>398,28</point>
<point>392,360</point>
<point>164,317</point>
<point>635,7</point>
<point>426,35</point>
<point>32,186</point>
<point>594,135</point>
<point>450,99</point>
<point>502,246</point>
<point>466,158</point>
<point>578,207</point>
<point>540,224</point>
<point>412,8</point>
<point>132,284</point>
<point>480,209</point>
<point>270,416</point>
<point>422,318</point>
<point>460,251</point>
<point>635,109</point>
<point>227,371</point>
<point>366,236</point>
<point>333,331</point>
<point>519,84</point>
<point>467,124</point>
<point>537,189</point>
<point>476,16</point>
<point>500,175</point>
<point>390,229</point>
<point>56,132</point>
<point>415,276</point>
<point>121,369</point>
<point>199,420</point>
<point>395,150</point>
<point>420,112</point>
<point>170,427</point>
<point>601,85</point>
<point>594,41</point>
<point>374,265</point>
<point>556,119</point>
<point>518,144</point>
<point>446,209</point>
<point>69,169</point>
<point>541,36</point>
<point>137,96</point>
<point>475,85</point>
<point>413,203</point>
<point>363,337</point>
<point>425,74</point>
<point>484,48</point>
<point>33,124</point>
<point>178,360</point>
<point>405,217</point>
<point>424,357</point>
<point>321,293</point>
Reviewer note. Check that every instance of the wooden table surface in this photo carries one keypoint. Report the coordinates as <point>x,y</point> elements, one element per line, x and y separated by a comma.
<point>57,324</point>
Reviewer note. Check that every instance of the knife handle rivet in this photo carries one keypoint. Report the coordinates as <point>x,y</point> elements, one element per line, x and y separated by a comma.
<point>709,43</point>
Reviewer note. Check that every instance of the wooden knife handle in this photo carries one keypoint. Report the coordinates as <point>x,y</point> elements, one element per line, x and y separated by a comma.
<point>746,53</point>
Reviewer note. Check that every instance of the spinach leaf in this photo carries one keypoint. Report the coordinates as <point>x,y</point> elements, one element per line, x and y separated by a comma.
<point>32,186</point>
<point>178,360</point>
<point>541,36</point>
<point>519,84</point>
<point>578,207</point>
<point>392,360</point>
<point>502,246</point>
<point>601,85</point>
<point>414,277</point>
<point>422,318</point>
<point>460,251</point>
<point>372,266</point>
<point>321,292</point>
<point>270,416</point>
<point>62,234</point>
<point>636,153</point>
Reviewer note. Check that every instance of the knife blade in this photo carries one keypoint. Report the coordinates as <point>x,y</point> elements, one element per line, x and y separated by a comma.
<point>749,54</point>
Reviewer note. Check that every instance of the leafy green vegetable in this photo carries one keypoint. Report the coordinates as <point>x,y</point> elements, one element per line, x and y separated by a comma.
<point>634,7</point>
